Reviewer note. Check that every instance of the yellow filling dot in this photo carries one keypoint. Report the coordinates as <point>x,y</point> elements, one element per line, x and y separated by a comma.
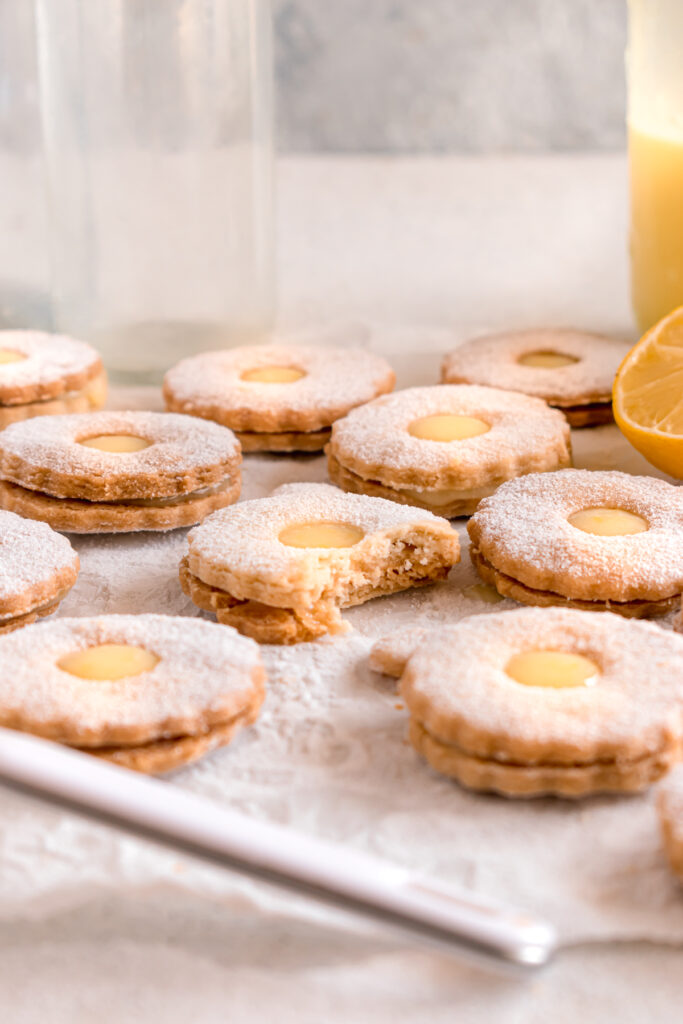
<point>483,592</point>
<point>8,355</point>
<point>273,375</point>
<point>608,522</point>
<point>321,535</point>
<point>119,443</point>
<point>546,360</point>
<point>108,661</point>
<point>447,428</point>
<point>552,668</point>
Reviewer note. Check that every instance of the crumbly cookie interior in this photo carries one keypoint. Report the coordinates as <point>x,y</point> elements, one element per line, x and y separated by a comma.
<point>381,565</point>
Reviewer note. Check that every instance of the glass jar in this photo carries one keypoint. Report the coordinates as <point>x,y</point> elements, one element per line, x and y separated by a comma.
<point>655,123</point>
<point>157,130</point>
<point>24,271</point>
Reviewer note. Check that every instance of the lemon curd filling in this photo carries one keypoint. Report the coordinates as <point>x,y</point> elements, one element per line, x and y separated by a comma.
<point>118,443</point>
<point>552,668</point>
<point>108,661</point>
<point>483,592</point>
<point>8,355</point>
<point>321,535</point>
<point>608,522</point>
<point>447,428</point>
<point>273,375</point>
<point>546,360</point>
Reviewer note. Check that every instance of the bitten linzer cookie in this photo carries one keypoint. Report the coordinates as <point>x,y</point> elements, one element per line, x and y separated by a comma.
<point>670,808</point>
<point>38,567</point>
<point>445,448</point>
<point>572,370</point>
<point>593,540</point>
<point>149,692</point>
<point>545,701</point>
<point>43,374</point>
<point>279,569</point>
<point>110,472</point>
<point>277,398</point>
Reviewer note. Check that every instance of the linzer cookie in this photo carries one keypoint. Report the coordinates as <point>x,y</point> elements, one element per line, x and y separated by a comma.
<point>148,692</point>
<point>445,448</point>
<point>670,808</point>
<point>111,472</point>
<point>38,567</point>
<point>279,569</point>
<point>44,374</point>
<point>277,398</point>
<point>571,370</point>
<point>593,540</point>
<point>544,701</point>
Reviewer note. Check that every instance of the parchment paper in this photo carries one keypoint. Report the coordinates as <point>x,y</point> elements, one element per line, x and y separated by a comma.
<point>329,756</point>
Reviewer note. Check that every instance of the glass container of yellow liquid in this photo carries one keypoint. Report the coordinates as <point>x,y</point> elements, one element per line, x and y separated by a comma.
<point>655,124</point>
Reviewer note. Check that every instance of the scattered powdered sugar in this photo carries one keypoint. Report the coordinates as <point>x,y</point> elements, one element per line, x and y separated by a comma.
<point>243,538</point>
<point>328,756</point>
<point>460,672</point>
<point>333,376</point>
<point>178,443</point>
<point>200,665</point>
<point>49,358</point>
<point>526,523</point>
<point>493,360</point>
<point>671,802</point>
<point>30,553</point>
<point>377,433</point>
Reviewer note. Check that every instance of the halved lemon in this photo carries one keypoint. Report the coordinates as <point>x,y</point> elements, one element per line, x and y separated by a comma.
<point>648,395</point>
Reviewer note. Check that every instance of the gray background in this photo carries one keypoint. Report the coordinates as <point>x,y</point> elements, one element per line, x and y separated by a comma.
<point>404,76</point>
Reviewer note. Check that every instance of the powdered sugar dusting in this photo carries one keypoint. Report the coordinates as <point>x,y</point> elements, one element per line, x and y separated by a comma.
<point>494,361</point>
<point>377,433</point>
<point>201,664</point>
<point>49,358</point>
<point>178,443</point>
<point>525,524</point>
<point>342,376</point>
<point>460,672</point>
<point>30,553</point>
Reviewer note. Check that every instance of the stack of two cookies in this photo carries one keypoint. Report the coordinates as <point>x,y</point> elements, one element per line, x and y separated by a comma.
<point>107,472</point>
<point>43,374</point>
<point>543,701</point>
<point>147,692</point>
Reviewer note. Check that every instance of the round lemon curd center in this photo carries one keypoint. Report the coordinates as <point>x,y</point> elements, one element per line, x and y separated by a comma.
<point>321,535</point>
<point>273,375</point>
<point>119,443</point>
<point>447,428</point>
<point>547,360</point>
<point>108,661</point>
<point>8,355</point>
<point>552,668</point>
<point>608,522</point>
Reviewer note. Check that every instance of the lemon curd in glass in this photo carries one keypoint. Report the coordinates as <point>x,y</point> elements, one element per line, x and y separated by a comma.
<point>655,130</point>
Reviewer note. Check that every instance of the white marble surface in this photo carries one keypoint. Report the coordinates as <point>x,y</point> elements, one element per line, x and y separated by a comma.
<point>450,75</point>
<point>451,245</point>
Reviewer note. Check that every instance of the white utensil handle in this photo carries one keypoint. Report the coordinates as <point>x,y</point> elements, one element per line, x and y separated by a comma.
<point>330,872</point>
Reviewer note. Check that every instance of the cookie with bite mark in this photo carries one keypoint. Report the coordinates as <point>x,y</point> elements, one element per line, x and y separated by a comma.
<point>279,569</point>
